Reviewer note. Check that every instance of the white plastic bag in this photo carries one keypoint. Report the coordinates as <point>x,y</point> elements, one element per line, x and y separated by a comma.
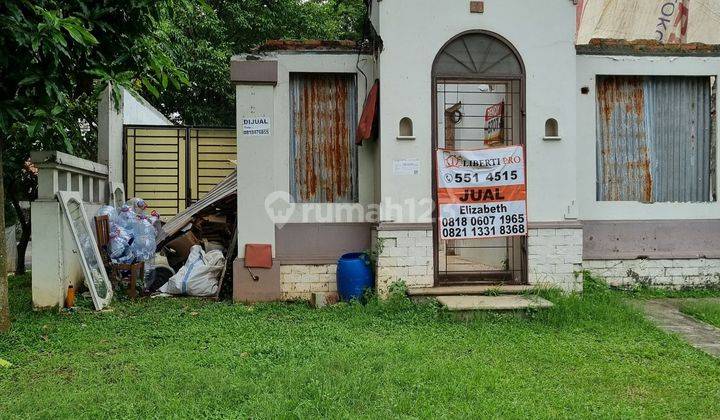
<point>199,276</point>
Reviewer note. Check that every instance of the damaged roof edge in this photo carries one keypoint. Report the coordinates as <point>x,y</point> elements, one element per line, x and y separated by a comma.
<point>313,45</point>
<point>598,46</point>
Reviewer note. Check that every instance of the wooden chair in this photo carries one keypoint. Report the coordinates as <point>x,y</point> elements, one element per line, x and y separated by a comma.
<point>137,270</point>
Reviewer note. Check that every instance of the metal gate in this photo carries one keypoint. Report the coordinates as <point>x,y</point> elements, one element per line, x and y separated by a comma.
<point>171,167</point>
<point>478,102</point>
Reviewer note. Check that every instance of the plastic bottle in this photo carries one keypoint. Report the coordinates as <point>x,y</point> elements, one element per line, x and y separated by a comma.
<point>108,211</point>
<point>154,217</point>
<point>137,205</point>
<point>70,297</point>
<point>119,242</point>
<point>143,247</point>
<point>126,216</point>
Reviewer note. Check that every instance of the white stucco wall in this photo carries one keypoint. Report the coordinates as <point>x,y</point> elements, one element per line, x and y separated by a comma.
<point>110,127</point>
<point>588,67</point>
<point>264,161</point>
<point>414,31</point>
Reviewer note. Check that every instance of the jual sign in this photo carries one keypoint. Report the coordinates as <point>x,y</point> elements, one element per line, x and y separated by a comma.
<point>481,193</point>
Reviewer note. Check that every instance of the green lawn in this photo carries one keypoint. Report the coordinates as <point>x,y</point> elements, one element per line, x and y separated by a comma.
<point>705,311</point>
<point>589,356</point>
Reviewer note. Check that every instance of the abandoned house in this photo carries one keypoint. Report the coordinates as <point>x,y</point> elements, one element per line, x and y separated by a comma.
<point>468,143</point>
<point>619,141</point>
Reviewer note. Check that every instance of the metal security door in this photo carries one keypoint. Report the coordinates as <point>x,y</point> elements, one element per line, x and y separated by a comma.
<point>475,116</point>
<point>156,167</point>
<point>478,102</point>
<point>212,156</point>
<point>171,167</point>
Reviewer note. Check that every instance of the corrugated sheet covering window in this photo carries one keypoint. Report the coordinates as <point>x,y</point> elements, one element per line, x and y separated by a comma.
<point>654,139</point>
<point>323,119</point>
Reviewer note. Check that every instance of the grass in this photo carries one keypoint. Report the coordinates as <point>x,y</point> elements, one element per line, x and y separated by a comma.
<point>703,310</point>
<point>590,355</point>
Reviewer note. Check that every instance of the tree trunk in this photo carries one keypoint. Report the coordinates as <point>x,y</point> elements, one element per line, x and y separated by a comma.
<point>4,306</point>
<point>24,220</point>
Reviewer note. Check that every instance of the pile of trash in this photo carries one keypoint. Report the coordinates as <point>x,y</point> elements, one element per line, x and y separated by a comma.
<point>200,244</point>
<point>132,232</point>
<point>191,260</point>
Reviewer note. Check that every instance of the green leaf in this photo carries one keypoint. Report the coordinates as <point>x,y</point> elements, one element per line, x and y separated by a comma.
<point>66,141</point>
<point>183,78</point>
<point>98,72</point>
<point>80,34</point>
<point>164,80</point>
<point>75,33</point>
<point>150,87</point>
<point>57,110</point>
<point>57,36</point>
<point>32,127</point>
<point>29,80</point>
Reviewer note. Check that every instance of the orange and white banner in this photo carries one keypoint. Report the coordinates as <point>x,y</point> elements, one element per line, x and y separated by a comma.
<point>481,193</point>
<point>667,21</point>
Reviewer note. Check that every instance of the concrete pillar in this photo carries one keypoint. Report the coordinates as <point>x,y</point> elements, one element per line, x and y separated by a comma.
<point>110,135</point>
<point>48,280</point>
<point>256,185</point>
<point>255,154</point>
<point>47,185</point>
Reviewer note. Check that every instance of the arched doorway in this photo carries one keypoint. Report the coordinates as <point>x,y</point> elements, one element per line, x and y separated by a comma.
<point>478,91</point>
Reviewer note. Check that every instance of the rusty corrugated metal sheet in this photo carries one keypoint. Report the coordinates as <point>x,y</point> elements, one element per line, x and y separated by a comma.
<point>653,139</point>
<point>323,117</point>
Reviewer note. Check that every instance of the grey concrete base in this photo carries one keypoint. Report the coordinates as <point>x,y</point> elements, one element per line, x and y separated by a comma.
<point>493,303</point>
<point>469,290</point>
<point>666,315</point>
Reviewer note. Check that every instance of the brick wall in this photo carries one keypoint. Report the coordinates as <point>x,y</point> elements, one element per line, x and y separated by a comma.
<point>555,258</point>
<point>660,273</point>
<point>408,256</point>
<point>298,282</point>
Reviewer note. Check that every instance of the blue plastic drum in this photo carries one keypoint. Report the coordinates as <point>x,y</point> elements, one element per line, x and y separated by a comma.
<point>354,276</point>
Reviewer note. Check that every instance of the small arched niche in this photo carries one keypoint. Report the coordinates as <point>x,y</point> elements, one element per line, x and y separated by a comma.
<point>405,131</point>
<point>551,129</point>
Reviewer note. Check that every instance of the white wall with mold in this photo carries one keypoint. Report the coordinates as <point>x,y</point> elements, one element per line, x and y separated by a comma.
<point>588,68</point>
<point>414,31</point>
<point>264,161</point>
<point>56,262</point>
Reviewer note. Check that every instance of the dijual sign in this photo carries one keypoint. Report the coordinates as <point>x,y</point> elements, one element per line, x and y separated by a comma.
<point>481,193</point>
<point>256,126</point>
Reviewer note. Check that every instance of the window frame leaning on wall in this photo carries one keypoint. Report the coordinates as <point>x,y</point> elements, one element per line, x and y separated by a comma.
<point>656,139</point>
<point>96,277</point>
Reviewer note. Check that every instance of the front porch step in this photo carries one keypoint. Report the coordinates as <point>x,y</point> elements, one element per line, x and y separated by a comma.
<point>493,303</point>
<point>469,290</point>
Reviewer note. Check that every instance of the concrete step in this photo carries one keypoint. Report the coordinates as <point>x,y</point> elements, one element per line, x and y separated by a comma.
<point>483,289</point>
<point>493,303</point>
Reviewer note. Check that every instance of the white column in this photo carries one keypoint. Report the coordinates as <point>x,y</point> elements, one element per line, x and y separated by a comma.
<point>255,160</point>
